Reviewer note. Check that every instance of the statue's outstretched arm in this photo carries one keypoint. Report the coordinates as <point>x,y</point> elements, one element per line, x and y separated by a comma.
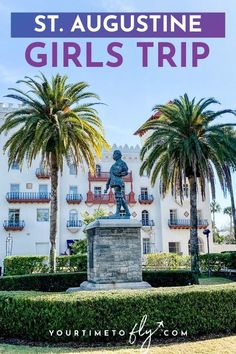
<point>107,185</point>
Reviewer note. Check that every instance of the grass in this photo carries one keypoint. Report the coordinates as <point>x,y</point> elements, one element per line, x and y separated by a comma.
<point>214,281</point>
<point>225,345</point>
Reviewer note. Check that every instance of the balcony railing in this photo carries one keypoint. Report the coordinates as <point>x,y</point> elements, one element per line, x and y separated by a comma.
<point>147,223</point>
<point>28,197</point>
<point>103,177</point>
<point>42,173</point>
<point>10,225</point>
<point>108,198</point>
<point>145,199</point>
<point>100,198</point>
<point>185,223</point>
<point>74,198</point>
<point>74,223</point>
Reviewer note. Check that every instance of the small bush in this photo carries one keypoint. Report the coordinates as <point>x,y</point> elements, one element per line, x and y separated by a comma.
<point>20,265</point>
<point>157,261</point>
<point>199,310</point>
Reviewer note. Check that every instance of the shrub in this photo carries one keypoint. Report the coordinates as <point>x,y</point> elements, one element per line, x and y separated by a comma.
<point>74,263</point>
<point>43,282</point>
<point>199,310</point>
<point>156,261</point>
<point>19,265</point>
<point>218,261</point>
<point>170,278</point>
<point>63,281</point>
<point>80,246</point>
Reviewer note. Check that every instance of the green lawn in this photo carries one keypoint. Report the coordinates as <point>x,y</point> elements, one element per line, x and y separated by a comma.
<point>214,281</point>
<point>224,345</point>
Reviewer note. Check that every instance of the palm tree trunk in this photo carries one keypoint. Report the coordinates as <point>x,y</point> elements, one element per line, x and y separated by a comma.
<point>233,209</point>
<point>193,226</point>
<point>53,213</point>
<point>214,223</point>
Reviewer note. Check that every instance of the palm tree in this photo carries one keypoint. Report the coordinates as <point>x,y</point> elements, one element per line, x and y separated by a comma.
<point>185,144</point>
<point>57,124</point>
<point>215,208</point>
<point>228,170</point>
<point>228,211</point>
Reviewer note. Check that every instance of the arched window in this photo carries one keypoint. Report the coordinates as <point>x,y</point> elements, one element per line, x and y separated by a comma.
<point>98,170</point>
<point>73,216</point>
<point>200,246</point>
<point>145,218</point>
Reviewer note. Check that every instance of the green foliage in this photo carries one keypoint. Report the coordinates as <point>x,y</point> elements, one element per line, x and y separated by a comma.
<point>80,246</point>
<point>218,261</point>
<point>217,238</point>
<point>166,278</point>
<point>62,281</point>
<point>88,218</point>
<point>199,310</point>
<point>17,265</point>
<point>51,282</point>
<point>156,261</point>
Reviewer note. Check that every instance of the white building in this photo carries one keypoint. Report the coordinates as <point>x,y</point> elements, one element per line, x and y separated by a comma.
<point>25,204</point>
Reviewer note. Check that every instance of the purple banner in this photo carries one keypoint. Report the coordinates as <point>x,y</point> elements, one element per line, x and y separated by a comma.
<point>118,25</point>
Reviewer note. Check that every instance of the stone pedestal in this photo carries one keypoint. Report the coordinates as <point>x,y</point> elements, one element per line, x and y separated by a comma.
<point>114,255</point>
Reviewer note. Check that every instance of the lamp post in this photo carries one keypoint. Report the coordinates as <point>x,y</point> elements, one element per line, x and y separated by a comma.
<point>207,233</point>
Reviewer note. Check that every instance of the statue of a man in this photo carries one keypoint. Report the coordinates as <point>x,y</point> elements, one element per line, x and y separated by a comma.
<point>118,170</point>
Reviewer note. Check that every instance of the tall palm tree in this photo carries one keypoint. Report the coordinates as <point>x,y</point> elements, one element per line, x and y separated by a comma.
<point>57,124</point>
<point>215,208</point>
<point>228,170</point>
<point>228,211</point>
<point>185,144</point>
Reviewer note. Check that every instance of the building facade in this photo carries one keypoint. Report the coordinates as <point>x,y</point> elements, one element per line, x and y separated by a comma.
<point>25,206</point>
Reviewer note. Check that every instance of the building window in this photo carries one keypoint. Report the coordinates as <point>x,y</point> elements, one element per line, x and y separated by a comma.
<point>97,192</point>
<point>98,170</point>
<point>174,247</point>
<point>73,190</point>
<point>43,215</point>
<point>14,215</point>
<point>173,215</point>
<point>29,185</point>
<point>146,246</point>
<point>73,215</point>
<point>14,188</point>
<point>200,246</point>
<point>145,218</point>
<point>144,194</point>
<point>43,188</point>
<point>15,165</point>
<point>72,169</point>
<point>186,190</point>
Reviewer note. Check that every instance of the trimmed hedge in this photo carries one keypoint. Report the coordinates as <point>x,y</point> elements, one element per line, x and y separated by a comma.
<point>170,278</point>
<point>157,261</point>
<point>62,281</point>
<point>50,282</point>
<point>218,261</point>
<point>200,310</point>
<point>20,265</point>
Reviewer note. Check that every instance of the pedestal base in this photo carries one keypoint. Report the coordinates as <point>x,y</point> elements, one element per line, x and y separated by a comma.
<point>90,286</point>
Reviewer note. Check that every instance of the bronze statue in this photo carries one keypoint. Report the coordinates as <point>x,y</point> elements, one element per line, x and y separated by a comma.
<point>118,170</point>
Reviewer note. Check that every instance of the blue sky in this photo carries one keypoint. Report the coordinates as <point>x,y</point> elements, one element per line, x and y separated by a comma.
<point>131,91</point>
